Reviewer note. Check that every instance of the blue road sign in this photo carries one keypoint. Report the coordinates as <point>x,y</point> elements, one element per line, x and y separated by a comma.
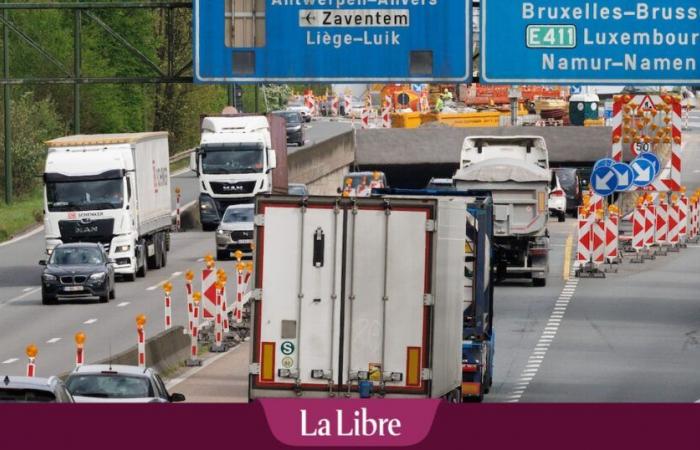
<point>576,89</point>
<point>654,160</point>
<point>605,162</point>
<point>644,173</point>
<point>590,42</point>
<point>332,41</point>
<point>604,181</point>
<point>625,176</point>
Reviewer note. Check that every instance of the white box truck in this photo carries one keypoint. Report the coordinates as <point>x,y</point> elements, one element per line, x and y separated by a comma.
<point>358,298</point>
<point>113,189</point>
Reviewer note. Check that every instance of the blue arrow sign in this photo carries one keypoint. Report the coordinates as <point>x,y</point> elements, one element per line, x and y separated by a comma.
<point>604,181</point>
<point>605,162</point>
<point>625,176</point>
<point>654,160</point>
<point>644,172</point>
<point>332,41</point>
<point>590,42</point>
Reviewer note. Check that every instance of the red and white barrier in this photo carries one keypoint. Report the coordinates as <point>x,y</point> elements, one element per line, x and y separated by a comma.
<point>335,106</point>
<point>189,276</point>
<point>598,241</point>
<point>177,208</point>
<point>224,310</point>
<point>168,312</point>
<point>386,118</point>
<point>649,226</point>
<point>194,334</point>
<point>218,345</point>
<point>347,105</point>
<point>662,223</point>
<point>612,236</point>
<point>365,118</point>
<point>141,334</point>
<point>79,349</point>
<point>583,252</point>
<point>31,368</point>
<point>208,293</point>
<point>683,218</point>
<point>673,224</point>
<point>639,228</point>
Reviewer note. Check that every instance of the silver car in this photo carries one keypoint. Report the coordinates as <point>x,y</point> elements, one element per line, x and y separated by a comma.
<point>33,390</point>
<point>101,383</point>
<point>236,232</point>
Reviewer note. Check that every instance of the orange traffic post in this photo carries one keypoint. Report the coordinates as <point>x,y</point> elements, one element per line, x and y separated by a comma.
<point>167,290</point>
<point>141,332</point>
<point>193,360</point>
<point>31,351</point>
<point>218,345</point>
<point>189,276</point>
<point>79,348</point>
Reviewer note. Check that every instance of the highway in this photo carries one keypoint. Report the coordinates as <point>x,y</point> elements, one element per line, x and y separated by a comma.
<point>632,337</point>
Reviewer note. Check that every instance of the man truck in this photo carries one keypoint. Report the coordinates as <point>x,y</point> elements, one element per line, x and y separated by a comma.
<point>358,298</point>
<point>239,156</point>
<point>515,169</point>
<point>112,189</point>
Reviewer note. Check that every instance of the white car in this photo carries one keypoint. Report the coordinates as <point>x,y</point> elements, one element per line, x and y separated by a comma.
<point>236,232</point>
<point>557,198</point>
<point>101,383</point>
<point>301,109</point>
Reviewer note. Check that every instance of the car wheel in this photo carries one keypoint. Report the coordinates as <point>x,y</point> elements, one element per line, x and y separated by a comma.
<point>562,217</point>
<point>144,269</point>
<point>104,298</point>
<point>131,277</point>
<point>112,294</point>
<point>539,282</point>
<point>164,255</point>
<point>46,300</point>
<point>221,255</point>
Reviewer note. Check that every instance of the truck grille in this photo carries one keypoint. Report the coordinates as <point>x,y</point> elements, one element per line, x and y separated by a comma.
<point>78,279</point>
<point>241,235</point>
<point>244,187</point>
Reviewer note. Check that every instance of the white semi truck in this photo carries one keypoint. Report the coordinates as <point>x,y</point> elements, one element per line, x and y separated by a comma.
<point>239,156</point>
<point>358,297</point>
<point>113,189</point>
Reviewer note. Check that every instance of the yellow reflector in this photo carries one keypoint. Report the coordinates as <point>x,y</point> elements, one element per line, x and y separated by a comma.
<point>471,389</point>
<point>267,363</point>
<point>413,366</point>
<point>540,202</point>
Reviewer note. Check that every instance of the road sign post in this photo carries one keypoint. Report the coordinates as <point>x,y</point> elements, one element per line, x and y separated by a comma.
<point>411,41</point>
<point>574,42</point>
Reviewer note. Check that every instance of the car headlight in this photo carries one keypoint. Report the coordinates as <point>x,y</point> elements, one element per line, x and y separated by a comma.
<point>122,248</point>
<point>220,232</point>
<point>98,276</point>
<point>48,277</point>
<point>206,205</point>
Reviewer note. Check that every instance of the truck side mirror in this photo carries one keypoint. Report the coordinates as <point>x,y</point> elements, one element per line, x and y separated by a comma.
<point>272,159</point>
<point>193,162</point>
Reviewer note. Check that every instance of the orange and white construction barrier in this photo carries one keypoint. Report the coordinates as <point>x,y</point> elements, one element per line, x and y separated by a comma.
<point>583,253</point>
<point>650,226</point>
<point>218,345</point>
<point>221,276</point>
<point>347,105</point>
<point>141,335</point>
<point>598,238</point>
<point>612,236</point>
<point>209,289</point>
<point>31,351</point>
<point>674,223</point>
<point>335,106</point>
<point>189,276</point>
<point>178,191</point>
<point>79,349</point>
<point>365,118</point>
<point>194,334</point>
<point>683,217</point>
<point>386,118</point>
<point>662,221</point>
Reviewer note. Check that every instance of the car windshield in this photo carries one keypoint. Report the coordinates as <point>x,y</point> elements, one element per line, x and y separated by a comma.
<point>238,215</point>
<point>26,396</point>
<point>109,386</point>
<point>232,160</point>
<point>85,195</point>
<point>290,117</point>
<point>76,256</point>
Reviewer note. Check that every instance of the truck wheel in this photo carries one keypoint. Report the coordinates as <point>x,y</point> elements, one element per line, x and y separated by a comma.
<point>143,270</point>
<point>539,282</point>
<point>164,254</point>
<point>154,260</point>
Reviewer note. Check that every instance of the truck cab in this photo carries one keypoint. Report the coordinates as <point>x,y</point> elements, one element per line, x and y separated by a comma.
<point>234,163</point>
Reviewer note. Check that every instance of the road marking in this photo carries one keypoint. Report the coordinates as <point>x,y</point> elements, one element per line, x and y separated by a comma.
<point>23,236</point>
<point>20,297</point>
<point>170,278</point>
<point>200,260</point>
<point>53,340</point>
<point>27,289</point>
<point>176,274</point>
<point>567,257</point>
<point>123,304</point>
<point>10,361</point>
<point>90,321</point>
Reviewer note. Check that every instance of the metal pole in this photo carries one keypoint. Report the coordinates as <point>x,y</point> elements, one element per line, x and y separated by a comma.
<point>77,59</point>
<point>257,88</point>
<point>7,110</point>
<point>230,92</point>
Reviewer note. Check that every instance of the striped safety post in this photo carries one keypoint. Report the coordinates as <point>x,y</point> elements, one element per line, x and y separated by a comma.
<point>583,252</point>
<point>178,191</point>
<point>598,238</point>
<point>168,310</point>
<point>31,351</point>
<point>189,276</point>
<point>79,348</point>
<point>335,105</point>
<point>683,217</point>
<point>221,275</point>
<point>612,235</point>
<point>650,225</point>
<point>365,118</point>
<point>662,221</point>
<point>695,217</point>
<point>246,284</point>
<point>208,307</point>
<point>347,105</point>
<point>638,230</point>
<point>194,360</point>
<point>141,335</point>
<point>673,223</point>
<point>218,345</point>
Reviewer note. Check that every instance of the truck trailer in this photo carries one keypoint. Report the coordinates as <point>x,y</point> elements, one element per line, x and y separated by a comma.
<point>113,189</point>
<point>358,297</point>
<point>239,156</point>
<point>515,169</point>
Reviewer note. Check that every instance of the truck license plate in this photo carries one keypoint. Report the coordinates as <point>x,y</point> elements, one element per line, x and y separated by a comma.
<point>73,288</point>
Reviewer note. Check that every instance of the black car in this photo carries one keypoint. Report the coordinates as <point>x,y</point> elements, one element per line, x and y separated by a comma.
<point>570,181</point>
<point>76,272</point>
<point>295,127</point>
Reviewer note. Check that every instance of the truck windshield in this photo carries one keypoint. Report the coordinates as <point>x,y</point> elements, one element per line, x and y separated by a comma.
<point>85,195</point>
<point>232,160</point>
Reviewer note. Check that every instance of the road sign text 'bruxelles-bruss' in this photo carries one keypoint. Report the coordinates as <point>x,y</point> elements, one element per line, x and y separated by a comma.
<point>332,40</point>
<point>575,41</point>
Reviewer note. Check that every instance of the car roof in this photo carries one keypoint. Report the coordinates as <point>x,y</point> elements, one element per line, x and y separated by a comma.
<point>80,244</point>
<point>242,206</point>
<point>95,369</point>
<point>44,384</point>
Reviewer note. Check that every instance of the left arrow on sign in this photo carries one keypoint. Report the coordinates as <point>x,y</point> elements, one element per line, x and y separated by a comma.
<point>601,183</point>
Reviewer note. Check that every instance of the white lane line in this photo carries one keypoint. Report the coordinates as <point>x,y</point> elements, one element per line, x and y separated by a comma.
<point>176,274</point>
<point>90,321</point>
<point>10,361</point>
<point>27,289</point>
<point>200,260</point>
<point>20,297</point>
<point>170,278</point>
<point>23,237</point>
<point>123,304</point>
<point>53,340</point>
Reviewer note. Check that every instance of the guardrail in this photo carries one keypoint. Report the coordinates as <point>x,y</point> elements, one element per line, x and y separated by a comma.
<point>182,155</point>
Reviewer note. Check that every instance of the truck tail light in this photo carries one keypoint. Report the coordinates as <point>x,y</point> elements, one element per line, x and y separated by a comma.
<point>538,251</point>
<point>413,368</point>
<point>557,193</point>
<point>394,377</point>
<point>470,368</point>
<point>288,373</point>
<point>267,362</point>
<point>471,389</point>
<point>319,374</point>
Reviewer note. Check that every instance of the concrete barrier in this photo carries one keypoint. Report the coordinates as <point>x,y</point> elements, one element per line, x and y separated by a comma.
<point>322,166</point>
<point>164,351</point>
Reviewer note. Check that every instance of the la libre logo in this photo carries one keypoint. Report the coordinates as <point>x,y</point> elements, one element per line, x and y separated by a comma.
<point>357,423</point>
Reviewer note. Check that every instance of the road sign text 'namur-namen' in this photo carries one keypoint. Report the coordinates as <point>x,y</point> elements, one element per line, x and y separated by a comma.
<point>575,41</point>
<point>332,40</point>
